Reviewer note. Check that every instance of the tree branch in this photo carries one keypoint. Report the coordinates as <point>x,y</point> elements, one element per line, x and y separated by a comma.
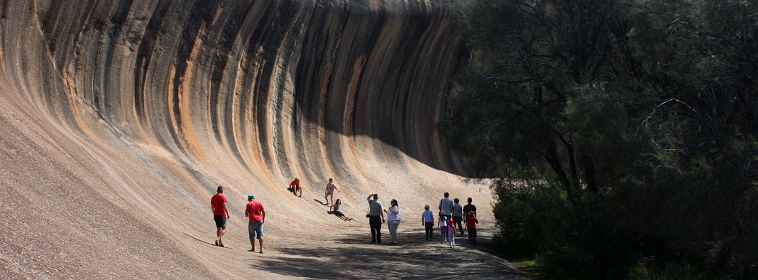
<point>647,119</point>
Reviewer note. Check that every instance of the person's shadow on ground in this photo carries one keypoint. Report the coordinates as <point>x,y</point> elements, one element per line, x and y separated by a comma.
<point>206,242</point>
<point>321,202</point>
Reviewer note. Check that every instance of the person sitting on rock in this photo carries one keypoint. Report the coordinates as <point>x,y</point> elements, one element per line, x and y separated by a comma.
<point>335,209</point>
<point>295,187</point>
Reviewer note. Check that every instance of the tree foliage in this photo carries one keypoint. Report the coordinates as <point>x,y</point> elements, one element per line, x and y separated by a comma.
<point>623,132</point>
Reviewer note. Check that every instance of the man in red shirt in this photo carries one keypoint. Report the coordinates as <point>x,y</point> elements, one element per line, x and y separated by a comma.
<point>295,187</point>
<point>220,214</point>
<point>256,217</point>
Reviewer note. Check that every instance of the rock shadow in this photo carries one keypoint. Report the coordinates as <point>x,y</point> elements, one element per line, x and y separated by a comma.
<point>352,257</point>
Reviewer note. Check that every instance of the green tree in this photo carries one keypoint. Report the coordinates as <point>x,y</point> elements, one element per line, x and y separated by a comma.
<point>638,115</point>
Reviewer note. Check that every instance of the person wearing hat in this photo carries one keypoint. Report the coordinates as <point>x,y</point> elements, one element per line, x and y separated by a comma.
<point>220,214</point>
<point>471,222</point>
<point>256,217</point>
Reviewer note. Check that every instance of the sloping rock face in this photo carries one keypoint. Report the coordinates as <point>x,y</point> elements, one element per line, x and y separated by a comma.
<point>123,116</point>
<point>270,83</point>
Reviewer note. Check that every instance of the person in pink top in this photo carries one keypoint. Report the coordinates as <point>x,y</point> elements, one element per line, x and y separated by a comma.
<point>451,232</point>
<point>256,215</point>
<point>329,193</point>
<point>220,214</point>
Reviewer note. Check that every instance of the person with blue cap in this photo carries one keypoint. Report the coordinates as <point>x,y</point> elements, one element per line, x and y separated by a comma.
<point>256,217</point>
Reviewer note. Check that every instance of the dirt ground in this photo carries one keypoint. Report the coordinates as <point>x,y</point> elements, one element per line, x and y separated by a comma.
<point>345,252</point>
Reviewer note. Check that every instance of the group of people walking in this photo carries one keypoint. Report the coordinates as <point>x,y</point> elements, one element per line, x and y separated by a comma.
<point>450,216</point>
<point>254,211</point>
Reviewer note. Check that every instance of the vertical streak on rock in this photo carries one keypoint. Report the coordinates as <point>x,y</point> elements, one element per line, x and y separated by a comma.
<point>184,93</point>
<point>276,88</point>
<point>230,33</point>
<point>144,55</point>
<point>190,45</point>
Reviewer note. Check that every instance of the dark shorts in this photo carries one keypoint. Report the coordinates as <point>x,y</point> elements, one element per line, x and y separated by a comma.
<point>255,230</point>
<point>338,214</point>
<point>457,219</point>
<point>220,221</point>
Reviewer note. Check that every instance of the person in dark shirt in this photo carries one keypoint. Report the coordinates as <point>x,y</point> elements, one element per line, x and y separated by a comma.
<point>457,214</point>
<point>468,208</point>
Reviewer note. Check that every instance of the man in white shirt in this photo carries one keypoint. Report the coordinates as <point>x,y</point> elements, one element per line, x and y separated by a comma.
<point>446,206</point>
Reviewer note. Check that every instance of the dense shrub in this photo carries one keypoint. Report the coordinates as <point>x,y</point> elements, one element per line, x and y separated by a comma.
<point>623,133</point>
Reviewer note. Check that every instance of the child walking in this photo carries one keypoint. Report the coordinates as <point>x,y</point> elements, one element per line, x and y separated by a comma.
<point>451,232</point>
<point>427,220</point>
<point>443,228</point>
<point>471,222</point>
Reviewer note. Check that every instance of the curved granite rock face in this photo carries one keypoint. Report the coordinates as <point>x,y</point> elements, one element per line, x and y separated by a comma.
<point>273,83</point>
<point>133,111</point>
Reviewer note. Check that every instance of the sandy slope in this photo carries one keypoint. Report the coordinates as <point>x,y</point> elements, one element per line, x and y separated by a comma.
<point>68,213</point>
<point>64,216</point>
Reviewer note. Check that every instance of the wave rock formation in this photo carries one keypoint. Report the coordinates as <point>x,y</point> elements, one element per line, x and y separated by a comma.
<point>121,117</point>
